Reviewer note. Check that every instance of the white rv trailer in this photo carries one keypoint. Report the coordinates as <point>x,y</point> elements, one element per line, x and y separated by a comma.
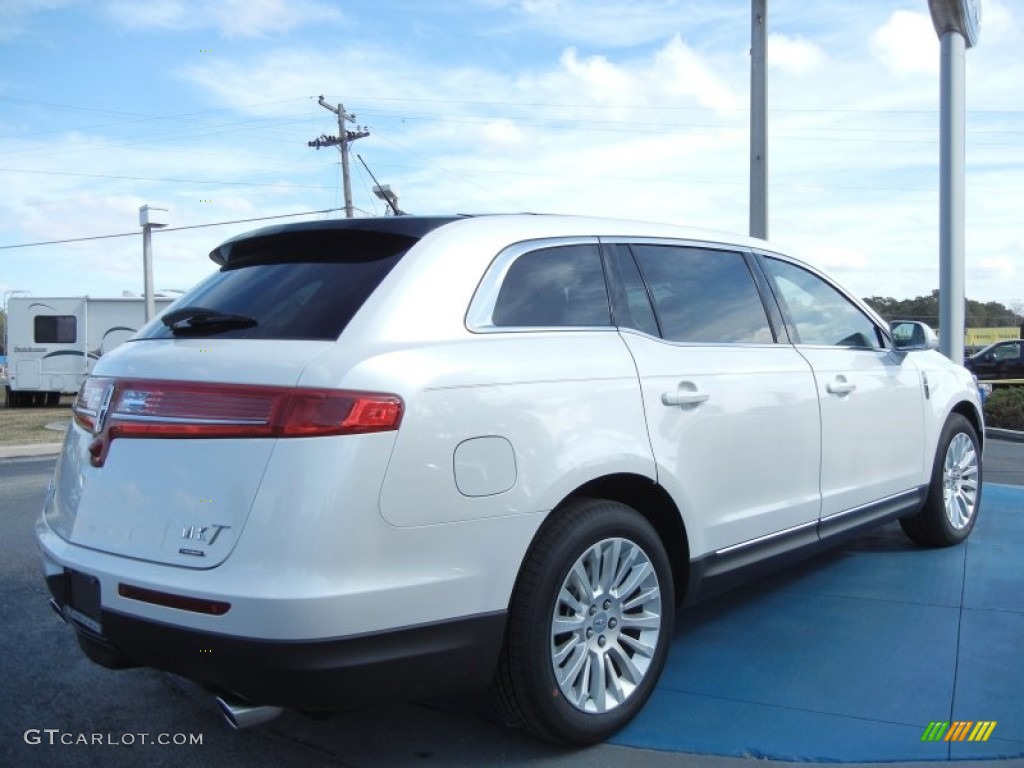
<point>53,342</point>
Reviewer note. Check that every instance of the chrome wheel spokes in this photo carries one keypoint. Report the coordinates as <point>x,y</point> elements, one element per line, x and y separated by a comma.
<point>960,474</point>
<point>605,625</point>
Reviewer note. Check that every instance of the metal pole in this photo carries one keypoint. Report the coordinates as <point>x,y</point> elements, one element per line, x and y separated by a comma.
<point>758,120</point>
<point>951,198</point>
<point>343,135</point>
<point>147,270</point>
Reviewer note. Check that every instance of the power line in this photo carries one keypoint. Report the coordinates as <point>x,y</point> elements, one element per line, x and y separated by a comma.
<point>169,229</point>
<point>167,181</point>
<point>504,103</point>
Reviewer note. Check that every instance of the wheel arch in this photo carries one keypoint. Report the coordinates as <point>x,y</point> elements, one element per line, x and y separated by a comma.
<point>654,503</point>
<point>969,412</point>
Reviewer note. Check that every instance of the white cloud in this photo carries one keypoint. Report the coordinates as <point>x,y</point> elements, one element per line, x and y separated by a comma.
<point>1001,267</point>
<point>998,23</point>
<point>162,14</point>
<point>794,55</point>
<point>682,71</point>
<point>907,44</point>
<point>833,256</point>
<point>609,24</point>
<point>598,79</point>
<point>16,14</point>
<point>233,18</point>
<point>502,134</point>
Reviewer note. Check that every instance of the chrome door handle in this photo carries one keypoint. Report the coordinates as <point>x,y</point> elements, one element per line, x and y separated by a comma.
<point>684,397</point>
<point>840,387</point>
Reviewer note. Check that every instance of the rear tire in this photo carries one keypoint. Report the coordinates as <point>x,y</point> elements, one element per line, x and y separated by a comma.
<point>589,624</point>
<point>954,494</point>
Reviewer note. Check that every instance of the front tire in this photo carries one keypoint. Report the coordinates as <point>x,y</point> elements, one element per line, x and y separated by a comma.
<point>954,494</point>
<point>589,625</point>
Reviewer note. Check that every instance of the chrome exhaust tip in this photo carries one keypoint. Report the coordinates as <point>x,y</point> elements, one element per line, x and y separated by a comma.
<point>56,609</point>
<point>241,714</point>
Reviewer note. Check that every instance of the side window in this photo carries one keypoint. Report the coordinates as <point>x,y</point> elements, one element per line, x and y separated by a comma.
<point>703,295</point>
<point>559,286</point>
<point>821,314</point>
<point>1008,352</point>
<point>55,329</point>
<point>633,306</point>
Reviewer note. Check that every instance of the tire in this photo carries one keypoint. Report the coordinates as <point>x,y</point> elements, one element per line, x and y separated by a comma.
<point>954,493</point>
<point>53,398</point>
<point>620,620</point>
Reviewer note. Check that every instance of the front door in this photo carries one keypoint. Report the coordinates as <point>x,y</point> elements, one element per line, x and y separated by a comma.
<point>872,399</point>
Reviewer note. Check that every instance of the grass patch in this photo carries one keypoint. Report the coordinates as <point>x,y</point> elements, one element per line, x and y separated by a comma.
<point>23,426</point>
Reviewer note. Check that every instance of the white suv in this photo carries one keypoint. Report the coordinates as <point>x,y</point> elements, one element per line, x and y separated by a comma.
<point>401,456</point>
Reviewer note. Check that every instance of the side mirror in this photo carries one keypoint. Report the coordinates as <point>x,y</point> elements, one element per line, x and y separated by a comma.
<point>910,336</point>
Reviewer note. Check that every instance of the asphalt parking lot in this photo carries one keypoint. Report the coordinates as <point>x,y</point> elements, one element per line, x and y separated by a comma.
<point>844,658</point>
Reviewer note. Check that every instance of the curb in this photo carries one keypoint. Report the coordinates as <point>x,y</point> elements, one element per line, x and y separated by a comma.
<point>23,451</point>
<point>1004,434</point>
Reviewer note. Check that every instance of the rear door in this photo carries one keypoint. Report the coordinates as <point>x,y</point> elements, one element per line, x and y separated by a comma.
<point>732,414</point>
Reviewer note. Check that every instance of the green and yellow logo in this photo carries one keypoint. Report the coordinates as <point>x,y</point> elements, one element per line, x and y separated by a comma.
<point>959,730</point>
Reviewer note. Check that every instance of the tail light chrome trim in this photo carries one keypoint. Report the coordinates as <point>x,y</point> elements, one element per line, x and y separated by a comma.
<point>112,408</point>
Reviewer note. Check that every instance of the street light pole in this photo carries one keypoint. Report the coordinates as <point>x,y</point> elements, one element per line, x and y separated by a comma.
<point>148,220</point>
<point>8,294</point>
<point>957,24</point>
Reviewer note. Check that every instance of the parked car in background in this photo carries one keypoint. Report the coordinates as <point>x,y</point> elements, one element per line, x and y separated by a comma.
<point>1002,360</point>
<point>390,457</point>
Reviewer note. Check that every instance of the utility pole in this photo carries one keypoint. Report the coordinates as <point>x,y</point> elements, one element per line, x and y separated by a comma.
<point>341,141</point>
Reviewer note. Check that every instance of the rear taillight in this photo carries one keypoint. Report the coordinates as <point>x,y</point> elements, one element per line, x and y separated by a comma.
<point>112,408</point>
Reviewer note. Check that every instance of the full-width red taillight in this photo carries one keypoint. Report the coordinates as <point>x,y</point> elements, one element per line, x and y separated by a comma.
<point>112,408</point>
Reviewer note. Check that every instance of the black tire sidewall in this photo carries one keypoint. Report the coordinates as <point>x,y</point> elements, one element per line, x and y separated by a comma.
<point>935,506</point>
<point>598,520</point>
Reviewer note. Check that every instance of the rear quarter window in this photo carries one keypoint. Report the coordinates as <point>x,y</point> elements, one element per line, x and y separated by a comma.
<point>562,286</point>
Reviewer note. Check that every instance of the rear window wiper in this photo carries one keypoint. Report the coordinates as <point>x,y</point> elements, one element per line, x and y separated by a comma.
<point>189,319</point>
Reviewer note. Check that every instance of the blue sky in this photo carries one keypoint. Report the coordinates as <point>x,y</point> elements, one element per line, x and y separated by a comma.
<point>631,108</point>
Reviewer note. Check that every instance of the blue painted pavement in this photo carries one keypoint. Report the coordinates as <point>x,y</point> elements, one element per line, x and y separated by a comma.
<point>849,656</point>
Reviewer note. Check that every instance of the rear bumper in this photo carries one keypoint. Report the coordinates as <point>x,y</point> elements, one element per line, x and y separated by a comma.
<point>322,674</point>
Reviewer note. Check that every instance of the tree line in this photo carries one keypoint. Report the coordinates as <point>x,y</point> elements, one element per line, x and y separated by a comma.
<point>989,314</point>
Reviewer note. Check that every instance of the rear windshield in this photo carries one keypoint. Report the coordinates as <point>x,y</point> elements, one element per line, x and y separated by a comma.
<point>294,285</point>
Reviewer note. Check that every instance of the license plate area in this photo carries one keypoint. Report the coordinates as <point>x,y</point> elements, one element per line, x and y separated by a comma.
<point>83,605</point>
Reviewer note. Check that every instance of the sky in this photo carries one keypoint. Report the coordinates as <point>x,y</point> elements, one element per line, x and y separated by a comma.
<point>628,108</point>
